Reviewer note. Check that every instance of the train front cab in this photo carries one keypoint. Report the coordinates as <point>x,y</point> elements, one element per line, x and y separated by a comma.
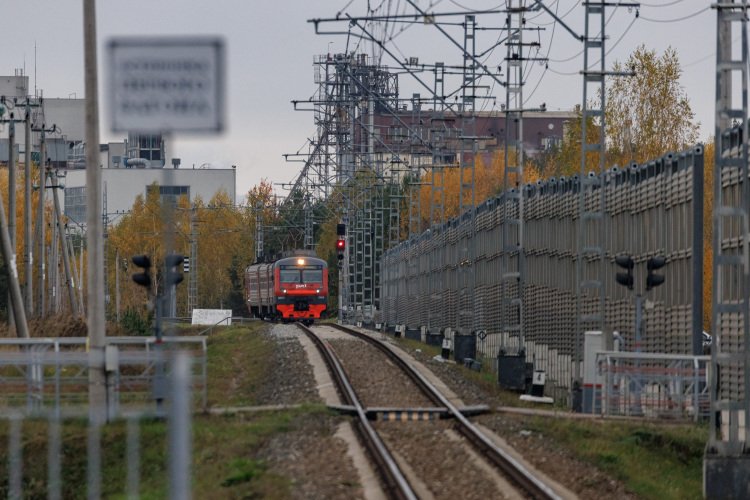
<point>302,288</point>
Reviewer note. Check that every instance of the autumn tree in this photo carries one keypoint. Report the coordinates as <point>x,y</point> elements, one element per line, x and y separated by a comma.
<point>568,159</point>
<point>225,249</point>
<point>648,114</point>
<point>488,182</point>
<point>141,231</point>
<point>225,237</point>
<point>709,163</point>
<point>18,219</point>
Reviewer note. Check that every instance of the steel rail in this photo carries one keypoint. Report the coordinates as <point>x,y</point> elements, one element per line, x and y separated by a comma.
<point>386,466</point>
<point>526,481</point>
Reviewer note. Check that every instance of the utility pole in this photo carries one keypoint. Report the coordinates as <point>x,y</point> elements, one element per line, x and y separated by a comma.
<point>117,283</point>
<point>66,255</point>
<point>27,252</point>
<point>16,304</point>
<point>11,206</point>
<point>725,463</point>
<point>591,265</point>
<point>40,224</point>
<point>94,227</point>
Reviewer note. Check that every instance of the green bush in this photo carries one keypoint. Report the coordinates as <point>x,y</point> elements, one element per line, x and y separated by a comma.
<point>134,322</point>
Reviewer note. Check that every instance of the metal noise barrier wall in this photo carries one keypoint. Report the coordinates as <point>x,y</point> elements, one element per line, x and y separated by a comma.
<point>649,213</point>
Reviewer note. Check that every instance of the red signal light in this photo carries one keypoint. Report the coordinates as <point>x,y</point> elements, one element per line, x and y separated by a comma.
<point>340,244</point>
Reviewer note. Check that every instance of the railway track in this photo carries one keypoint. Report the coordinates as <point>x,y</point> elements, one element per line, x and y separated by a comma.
<point>374,438</point>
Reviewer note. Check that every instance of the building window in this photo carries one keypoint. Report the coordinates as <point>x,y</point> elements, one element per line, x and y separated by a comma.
<point>75,204</point>
<point>149,147</point>
<point>171,194</point>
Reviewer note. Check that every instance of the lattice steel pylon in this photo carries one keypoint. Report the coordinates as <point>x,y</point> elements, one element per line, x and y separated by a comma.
<point>258,231</point>
<point>591,262</point>
<point>193,262</point>
<point>308,225</point>
<point>468,122</point>
<point>437,204</point>
<point>512,228</point>
<point>415,170</point>
<point>727,452</point>
<point>467,175</point>
<point>437,143</point>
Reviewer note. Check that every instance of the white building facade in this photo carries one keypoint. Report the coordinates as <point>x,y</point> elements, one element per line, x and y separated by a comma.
<point>121,186</point>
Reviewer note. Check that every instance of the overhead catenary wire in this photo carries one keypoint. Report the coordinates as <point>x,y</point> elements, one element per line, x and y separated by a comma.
<point>676,19</point>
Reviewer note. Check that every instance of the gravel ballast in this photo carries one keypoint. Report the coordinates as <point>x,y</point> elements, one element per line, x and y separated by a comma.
<point>318,463</point>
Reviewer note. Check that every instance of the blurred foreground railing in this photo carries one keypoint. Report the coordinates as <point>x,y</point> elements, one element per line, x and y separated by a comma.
<point>52,373</point>
<point>63,478</point>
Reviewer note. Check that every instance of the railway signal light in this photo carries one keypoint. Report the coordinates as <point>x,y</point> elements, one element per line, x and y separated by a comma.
<point>144,278</point>
<point>653,280</point>
<point>174,276</point>
<point>340,230</point>
<point>626,278</point>
<point>340,248</point>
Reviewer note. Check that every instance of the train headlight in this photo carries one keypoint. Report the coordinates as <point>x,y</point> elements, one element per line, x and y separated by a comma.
<point>301,262</point>
<point>284,290</point>
<point>318,290</point>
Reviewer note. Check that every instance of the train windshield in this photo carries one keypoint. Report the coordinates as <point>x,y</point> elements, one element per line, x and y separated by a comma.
<point>289,276</point>
<point>312,276</point>
<point>301,276</point>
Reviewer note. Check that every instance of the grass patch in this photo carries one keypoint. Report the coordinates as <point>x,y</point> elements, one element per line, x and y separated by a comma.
<point>238,360</point>
<point>659,462</point>
<point>226,461</point>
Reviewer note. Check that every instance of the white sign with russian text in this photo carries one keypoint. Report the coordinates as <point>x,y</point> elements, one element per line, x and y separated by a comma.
<point>166,84</point>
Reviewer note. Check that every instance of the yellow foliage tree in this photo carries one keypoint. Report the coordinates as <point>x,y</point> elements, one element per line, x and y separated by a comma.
<point>225,235</point>
<point>709,163</point>
<point>18,217</point>
<point>649,113</point>
<point>488,182</point>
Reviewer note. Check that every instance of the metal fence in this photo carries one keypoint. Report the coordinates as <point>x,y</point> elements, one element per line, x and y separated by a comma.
<point>44,374</point>
<point>15,482</point>
<point>653,385</point>
<point>649,212</point>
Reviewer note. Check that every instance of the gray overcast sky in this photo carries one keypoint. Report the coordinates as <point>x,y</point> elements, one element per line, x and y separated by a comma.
<point>270,49</point>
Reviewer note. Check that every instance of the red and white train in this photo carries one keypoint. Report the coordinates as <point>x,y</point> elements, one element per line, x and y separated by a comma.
<point>292,288</point>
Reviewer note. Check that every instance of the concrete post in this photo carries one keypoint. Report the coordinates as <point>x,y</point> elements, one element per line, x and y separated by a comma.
<point>11,205</point>
<point>27,248</point>
<point>69,281</point>
<point>94,225</point>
